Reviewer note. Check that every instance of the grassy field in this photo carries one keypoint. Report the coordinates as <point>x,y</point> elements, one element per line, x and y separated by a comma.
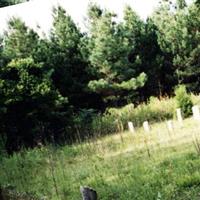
<point>141,166</point>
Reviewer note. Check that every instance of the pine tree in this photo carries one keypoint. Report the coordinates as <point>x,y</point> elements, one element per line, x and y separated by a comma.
<point>109,50</point>
<point>19,40</point>
<point>70,76</point>
<point>29,101</point>
<point>179,36</point>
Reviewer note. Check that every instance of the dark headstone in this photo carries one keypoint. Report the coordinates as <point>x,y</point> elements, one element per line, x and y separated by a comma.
<point>88,193</point>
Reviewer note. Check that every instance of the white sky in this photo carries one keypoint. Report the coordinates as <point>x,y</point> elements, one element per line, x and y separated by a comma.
<point>39,12</point>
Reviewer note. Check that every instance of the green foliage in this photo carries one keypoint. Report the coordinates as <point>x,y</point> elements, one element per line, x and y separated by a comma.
<point>183,100</point>
<point>22,77</point>
<point>94,12</point>
<point>179,36</point>
<point>109,47</point>
<point>181,4</point>
<point>132,84</point>
<point>70,76</point>
<point>63,30</point>
<point>19,40</point>
<point>73,84</point>
<point>28,98</point>
<point>4,3</point>
<point>115,119</point>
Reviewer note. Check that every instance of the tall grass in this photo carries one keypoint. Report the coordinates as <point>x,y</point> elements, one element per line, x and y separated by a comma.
<point>156,110</point>
<point>167,168</point>
<point>115,119</point>
<point>157,165</point>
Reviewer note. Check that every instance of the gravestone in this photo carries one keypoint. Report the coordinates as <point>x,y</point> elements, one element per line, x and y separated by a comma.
<point>196,112</point>
<point>179,115</point>
<point>146,126</point>
<point>131,127</point>
<point>170,126</point>
<point>88,193</point>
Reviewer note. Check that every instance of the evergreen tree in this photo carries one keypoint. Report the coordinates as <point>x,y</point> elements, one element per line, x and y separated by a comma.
<point>147,56</point>
<point>155,63</point>
<point>115,75</point>
<point>179,36</point>
<point>19,40</point>
<point>133,28</point>
<point>70,75</point>
<point>30,104</point>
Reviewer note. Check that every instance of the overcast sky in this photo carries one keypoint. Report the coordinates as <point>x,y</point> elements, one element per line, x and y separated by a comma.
<point>38,12</point>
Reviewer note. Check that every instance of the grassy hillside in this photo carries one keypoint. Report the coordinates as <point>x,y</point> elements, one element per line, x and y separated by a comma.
<point>144,166</point>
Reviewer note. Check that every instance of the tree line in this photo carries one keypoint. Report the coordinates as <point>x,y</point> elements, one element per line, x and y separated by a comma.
<point>49,85</point>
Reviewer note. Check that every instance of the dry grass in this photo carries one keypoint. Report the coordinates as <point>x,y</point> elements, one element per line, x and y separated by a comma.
<point>141,166</point>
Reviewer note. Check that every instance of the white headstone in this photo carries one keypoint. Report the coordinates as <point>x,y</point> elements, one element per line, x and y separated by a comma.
<point>196,112</point>
<point>146,126</point>
<point>170,125</point>
<point>131,127</point>
<point>179,115</point>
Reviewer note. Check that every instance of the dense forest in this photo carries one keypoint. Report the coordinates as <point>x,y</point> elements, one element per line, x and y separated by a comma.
<point>51,86</point>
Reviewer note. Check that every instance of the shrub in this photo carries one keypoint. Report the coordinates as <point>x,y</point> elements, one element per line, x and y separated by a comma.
<point>116,119</point>
<point>183,100</point>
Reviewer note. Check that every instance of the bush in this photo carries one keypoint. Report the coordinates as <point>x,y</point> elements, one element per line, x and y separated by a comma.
<point>183,100</point>
<point>116,119</point>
